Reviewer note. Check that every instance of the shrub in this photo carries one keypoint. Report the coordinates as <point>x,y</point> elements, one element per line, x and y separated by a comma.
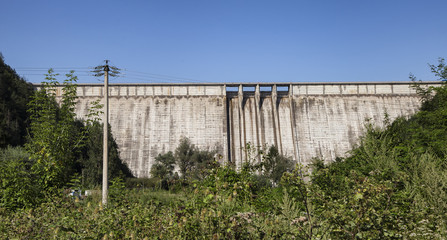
<point>18,188</point>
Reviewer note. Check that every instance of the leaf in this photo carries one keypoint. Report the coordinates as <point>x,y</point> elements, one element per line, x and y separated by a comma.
<point>358,196</point>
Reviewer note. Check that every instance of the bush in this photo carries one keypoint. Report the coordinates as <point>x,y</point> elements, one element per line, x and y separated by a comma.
<point>142,183</point>
<point>18,188</point>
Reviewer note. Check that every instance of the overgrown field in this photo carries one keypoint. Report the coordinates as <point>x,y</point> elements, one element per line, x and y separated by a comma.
<point>236,205</point>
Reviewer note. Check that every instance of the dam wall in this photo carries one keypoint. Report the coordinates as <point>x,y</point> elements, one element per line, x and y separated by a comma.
<point>312,120</point>
<point>304,120</point>
<point>149,120</point>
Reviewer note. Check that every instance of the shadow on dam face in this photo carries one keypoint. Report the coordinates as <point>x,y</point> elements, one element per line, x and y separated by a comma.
<point>303,120</point>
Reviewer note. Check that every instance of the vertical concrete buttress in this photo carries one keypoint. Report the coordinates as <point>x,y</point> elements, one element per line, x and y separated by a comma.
<point>292,126</point>
<point>231,137</point>
<point>259,128</point>
<point>242,133</point>
<point>277,128</point>
<point>226,130</point>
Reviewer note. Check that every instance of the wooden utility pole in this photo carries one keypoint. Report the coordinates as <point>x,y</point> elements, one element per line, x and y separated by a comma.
<point>99,71</point>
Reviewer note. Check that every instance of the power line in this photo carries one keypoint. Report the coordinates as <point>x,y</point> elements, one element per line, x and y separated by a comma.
<point>158,77</point>
<point>43,74</point>
<point>43,68</point>
<point>161,76</point>
<point>131,74</point>
<point>153,78</point>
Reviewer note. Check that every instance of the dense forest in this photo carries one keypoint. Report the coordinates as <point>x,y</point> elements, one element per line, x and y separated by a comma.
<point>393,185</point>
<point>15,94</point>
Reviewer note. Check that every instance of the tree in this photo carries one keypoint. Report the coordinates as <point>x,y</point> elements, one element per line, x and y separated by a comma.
<point>428,93</point>
<point>15,93</point>
<point>274,164</point>
<point>91,159</point>
<point>164,166</point>
<point>192,161</point>
<point>54,139</point>
<point>183,154</point>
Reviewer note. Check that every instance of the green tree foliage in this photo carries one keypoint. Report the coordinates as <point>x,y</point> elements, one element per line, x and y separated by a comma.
<point>274,164</point>
<point>54,138</point>
<point>59,147</point>
<point>396,177</point>
<point>92,157</point>
<point>164,165</point>
<point>15,93</point>
<point>163,170</point>
<point>267,162</point>
<point>63,146</point>
<point>193,162</point>
<point>16,179</point>
<point>183,155</point>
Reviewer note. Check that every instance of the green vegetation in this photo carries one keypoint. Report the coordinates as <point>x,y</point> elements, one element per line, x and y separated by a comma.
<point>90,161</point>
<point>15,94</point>
<point>16,177</point>
<point>54,138</point>
<point>193,162</point>
<point>164,166</point>
<point>273,164</point>
<point>393,185</point>
<point>59,152</point>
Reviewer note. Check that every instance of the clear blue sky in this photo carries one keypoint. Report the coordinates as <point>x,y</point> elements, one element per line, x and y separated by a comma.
<point>226,40</point>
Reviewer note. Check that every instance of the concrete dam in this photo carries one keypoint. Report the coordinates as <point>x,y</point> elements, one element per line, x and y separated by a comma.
<point>304,120</point>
